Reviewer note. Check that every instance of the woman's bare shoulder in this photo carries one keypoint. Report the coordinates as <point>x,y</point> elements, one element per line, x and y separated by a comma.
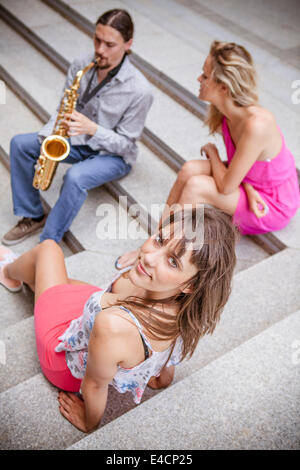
<point>259,117</point>
<point>113,321</point>
<point>260,122</point>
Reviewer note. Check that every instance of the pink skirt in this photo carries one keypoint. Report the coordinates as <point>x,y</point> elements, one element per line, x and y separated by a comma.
<point>53,313</point>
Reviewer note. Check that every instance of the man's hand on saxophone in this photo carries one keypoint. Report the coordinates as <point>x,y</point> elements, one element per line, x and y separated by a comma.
<point>78,124</point>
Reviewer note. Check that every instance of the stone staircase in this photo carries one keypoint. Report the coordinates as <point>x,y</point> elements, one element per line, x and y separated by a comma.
<point>241,388</point>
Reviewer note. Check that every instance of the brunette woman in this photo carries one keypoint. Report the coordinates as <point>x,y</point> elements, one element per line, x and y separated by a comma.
<point>132,333</point>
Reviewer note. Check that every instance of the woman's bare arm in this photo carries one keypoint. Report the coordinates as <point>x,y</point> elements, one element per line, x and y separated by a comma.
<point>105,351</point>
<point>249,148</point>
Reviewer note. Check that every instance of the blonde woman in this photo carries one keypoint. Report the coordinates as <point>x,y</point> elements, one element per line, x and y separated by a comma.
<point>258,185</point>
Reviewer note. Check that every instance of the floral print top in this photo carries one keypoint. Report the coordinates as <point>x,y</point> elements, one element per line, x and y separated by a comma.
<point>76,338</point>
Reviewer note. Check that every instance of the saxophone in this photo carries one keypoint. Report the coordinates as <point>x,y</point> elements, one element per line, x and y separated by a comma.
<point>56,147</point>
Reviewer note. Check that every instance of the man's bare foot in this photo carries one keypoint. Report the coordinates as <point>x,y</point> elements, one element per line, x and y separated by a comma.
<point>127,259</point>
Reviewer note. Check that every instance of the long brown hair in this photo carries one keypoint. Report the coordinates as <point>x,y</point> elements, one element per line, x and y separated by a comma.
<point>233,66</point>
<point>200,310</point>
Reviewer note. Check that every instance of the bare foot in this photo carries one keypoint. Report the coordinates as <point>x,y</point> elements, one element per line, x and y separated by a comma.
<point>127,259</point>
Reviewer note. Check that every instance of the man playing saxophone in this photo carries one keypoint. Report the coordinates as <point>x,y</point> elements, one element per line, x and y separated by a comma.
<point>113,101</point>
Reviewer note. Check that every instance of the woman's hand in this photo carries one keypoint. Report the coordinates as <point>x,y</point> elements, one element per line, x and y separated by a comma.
<point>163,380</point>
<point>153,383</point>
<point>73,409</point>
<point>210,150</point>
<point>218,167</point>
<point>78,124</point>
<point>256,203</point>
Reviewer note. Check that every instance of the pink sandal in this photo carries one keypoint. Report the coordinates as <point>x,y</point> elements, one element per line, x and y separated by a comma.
<point>7,256</point>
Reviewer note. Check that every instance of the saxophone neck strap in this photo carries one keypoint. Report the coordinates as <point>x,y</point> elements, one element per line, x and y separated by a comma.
<point>88,95</point>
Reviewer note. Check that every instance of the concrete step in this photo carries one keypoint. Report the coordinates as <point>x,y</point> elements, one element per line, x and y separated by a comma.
<point>258,300</point>
<point>21,361</point>
<point>30,418</point>
<point>246,399</point>
<point>249,22</point>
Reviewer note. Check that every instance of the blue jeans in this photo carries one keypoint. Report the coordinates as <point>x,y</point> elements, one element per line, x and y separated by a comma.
<point>89,170</point>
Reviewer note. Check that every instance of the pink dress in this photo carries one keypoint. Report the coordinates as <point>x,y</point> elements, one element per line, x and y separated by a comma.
<point>277,183</point>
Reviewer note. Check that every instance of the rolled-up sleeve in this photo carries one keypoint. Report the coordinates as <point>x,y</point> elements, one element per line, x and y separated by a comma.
<point>122,138</point>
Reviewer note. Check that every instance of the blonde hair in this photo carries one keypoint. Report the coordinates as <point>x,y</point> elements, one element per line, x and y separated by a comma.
<point>233,66</point>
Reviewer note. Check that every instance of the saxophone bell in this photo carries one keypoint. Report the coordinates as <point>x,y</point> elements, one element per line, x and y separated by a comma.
<point>55,147</point>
